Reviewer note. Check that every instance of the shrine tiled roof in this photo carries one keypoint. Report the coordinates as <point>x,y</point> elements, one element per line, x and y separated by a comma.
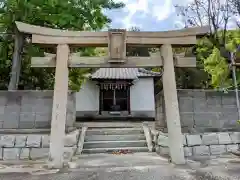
<point>123,73</point>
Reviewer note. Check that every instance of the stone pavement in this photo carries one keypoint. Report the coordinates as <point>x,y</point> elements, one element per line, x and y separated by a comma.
<point>112,160</point>
<point>139,166</point>
<point>153,173</point>
<point>219,168</point>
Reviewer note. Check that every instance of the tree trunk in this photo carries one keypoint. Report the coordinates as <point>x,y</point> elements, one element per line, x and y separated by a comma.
<point>16,61</point>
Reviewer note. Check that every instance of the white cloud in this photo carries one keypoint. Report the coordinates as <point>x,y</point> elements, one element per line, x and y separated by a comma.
<point>131,9</point>
<point>233,21</point>
<point>154,14</point>
<point>161,12</point>
<point>158,9</point>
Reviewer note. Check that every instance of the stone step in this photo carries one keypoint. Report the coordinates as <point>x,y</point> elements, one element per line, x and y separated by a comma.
<point>114,131</point>
<point>113,144</point>
<point>110,150</point>
<point>115,137</point>
<point>109,124</point>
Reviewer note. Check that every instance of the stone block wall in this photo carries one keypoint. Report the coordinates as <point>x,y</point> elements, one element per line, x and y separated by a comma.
<point>34,147</point>
<point>206,144</point>
<point>201,111</point>
<point>31,109</point>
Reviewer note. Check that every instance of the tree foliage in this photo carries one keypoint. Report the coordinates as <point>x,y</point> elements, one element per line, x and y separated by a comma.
<point>70,15</point>
<point>216,61</point>
<point>217,67</point>
<point>213,57</point>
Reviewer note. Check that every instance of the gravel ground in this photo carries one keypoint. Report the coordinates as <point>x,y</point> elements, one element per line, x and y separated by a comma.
<point>132,167</point>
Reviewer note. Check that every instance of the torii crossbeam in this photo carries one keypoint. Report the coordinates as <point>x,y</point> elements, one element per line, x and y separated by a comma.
<point>117,42</point>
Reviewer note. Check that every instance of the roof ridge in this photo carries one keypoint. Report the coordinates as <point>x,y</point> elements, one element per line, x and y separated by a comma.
<point>143,70</point>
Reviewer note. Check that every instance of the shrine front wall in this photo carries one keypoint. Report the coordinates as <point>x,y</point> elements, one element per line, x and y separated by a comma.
<point>29,109</point>
<point>142,104</point>
<point>87,100</point>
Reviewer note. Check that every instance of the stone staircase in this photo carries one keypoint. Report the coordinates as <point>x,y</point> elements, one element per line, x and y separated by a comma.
<point>111,139</point>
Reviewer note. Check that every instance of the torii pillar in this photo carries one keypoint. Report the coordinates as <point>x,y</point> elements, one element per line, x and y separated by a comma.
<point>59,106</point>
<point>171,106</point>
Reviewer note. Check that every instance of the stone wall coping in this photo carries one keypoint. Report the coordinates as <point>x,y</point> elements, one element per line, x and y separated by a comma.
<point>198,90</point>
<point>204,90</point>
<point>204,133</point>
<point>26,91</point>
<point>30,91</point>
<point>31,131</point>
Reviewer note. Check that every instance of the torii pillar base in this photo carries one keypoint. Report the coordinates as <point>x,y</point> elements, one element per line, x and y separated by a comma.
<point>172,107</point>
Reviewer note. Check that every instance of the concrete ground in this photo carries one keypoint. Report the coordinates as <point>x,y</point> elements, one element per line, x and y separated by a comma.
<point>139,166</point>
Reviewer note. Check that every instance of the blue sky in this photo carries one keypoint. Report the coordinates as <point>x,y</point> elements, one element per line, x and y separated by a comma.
<point>148,15</point>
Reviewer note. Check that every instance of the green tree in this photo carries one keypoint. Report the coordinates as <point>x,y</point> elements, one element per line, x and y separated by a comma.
<point>213,51</point>
<point>71,15</point>
<point>217,61</point>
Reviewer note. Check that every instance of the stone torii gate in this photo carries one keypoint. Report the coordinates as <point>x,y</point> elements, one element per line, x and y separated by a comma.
<point>117,41</point>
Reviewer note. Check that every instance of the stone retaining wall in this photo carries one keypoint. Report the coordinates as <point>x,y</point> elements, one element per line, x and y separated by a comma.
<point>202,144</point>
<point>31,109</point>
<point>33,147</point>
<point>201,111</point>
